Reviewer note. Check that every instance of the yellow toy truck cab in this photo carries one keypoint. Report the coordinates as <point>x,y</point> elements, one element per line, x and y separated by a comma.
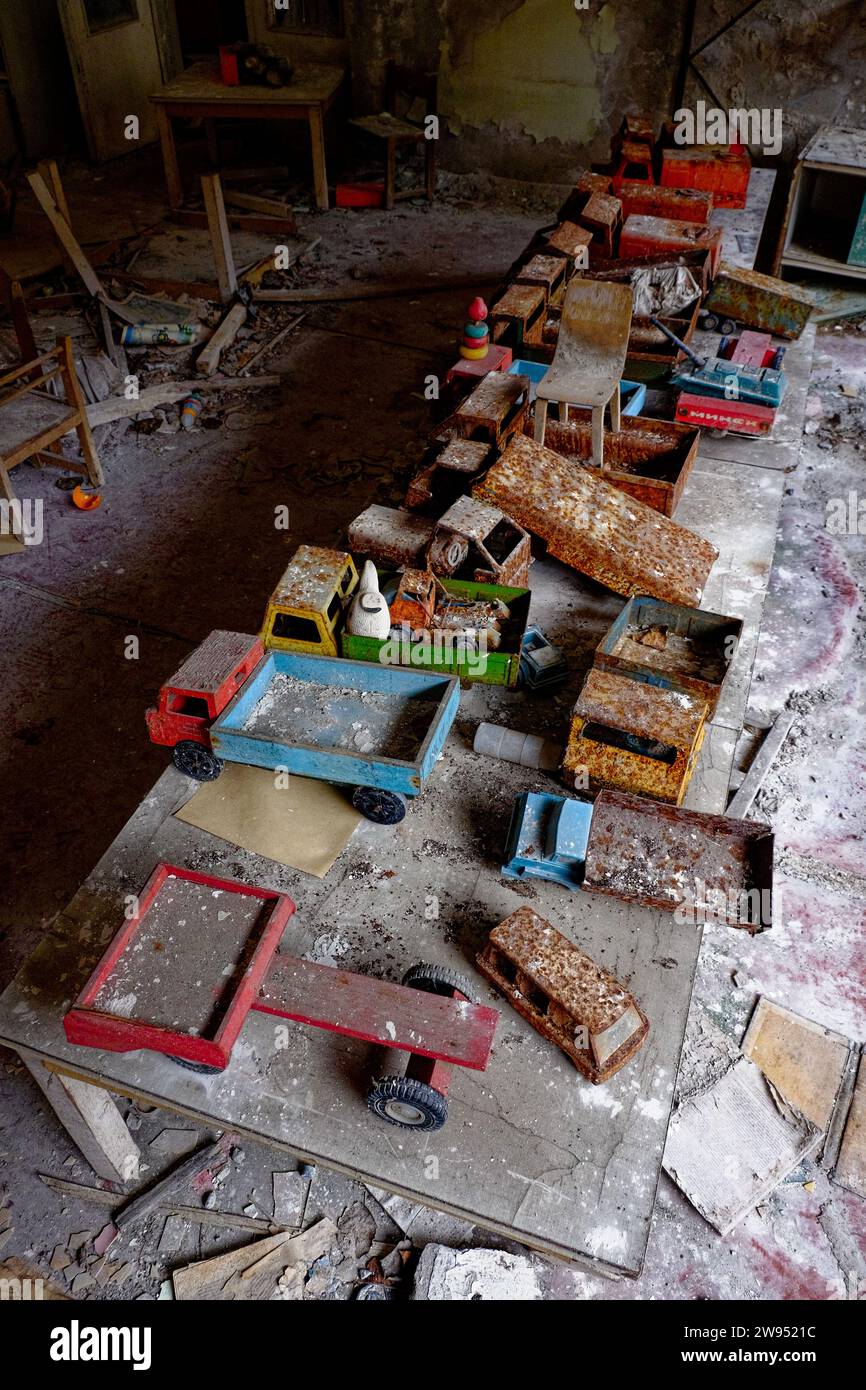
<point>305,611</point>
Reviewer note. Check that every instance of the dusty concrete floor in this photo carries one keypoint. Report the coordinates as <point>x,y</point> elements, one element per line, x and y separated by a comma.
<point>185,542</point>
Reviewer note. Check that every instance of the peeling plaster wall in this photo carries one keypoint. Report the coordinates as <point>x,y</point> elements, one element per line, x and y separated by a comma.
<point>528,88</point>
<point>533,89</point>
<point>806,59</point>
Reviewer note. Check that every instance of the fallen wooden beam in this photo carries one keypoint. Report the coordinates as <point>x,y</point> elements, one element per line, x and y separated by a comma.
<point>274,342</point>
<point>145,1203</point>
<point>389,290</point>
<point>239,222</point>
<point>761,763</point>
<point>119,408</point>
<point>209,357</point>
<point>64,234</point>
<point>269,206</point>
<point>218,227</point>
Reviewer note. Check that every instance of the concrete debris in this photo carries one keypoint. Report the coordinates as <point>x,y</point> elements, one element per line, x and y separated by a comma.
<point>290,1199</point>
<point>730,1146</point>
<point>445,1275</point>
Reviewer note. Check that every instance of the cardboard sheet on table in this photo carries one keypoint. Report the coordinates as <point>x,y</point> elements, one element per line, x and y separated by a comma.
<point>305,825</point>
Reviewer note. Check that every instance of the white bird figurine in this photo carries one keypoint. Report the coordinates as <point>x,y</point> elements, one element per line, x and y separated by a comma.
<point>369,615</point>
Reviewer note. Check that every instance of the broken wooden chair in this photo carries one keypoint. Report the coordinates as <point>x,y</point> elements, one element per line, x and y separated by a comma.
<point>43,445</point>
<point>590,357</point>
<point>406,91</point>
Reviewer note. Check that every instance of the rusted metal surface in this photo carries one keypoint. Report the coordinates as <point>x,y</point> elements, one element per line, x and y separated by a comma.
<point>602,213</point>
<point>415,600</point>
<point>633,736</point>
<point>590,182</point>
<point>724,172</point>
<point>596,528</point>
<point>568,239</point>
<point>516,316</point>
<point>708,867</point>
<point>472,540</point>
<point>548,272</point>
<point>566,997</point>
<point>648,459</point>
<point>760,301</point>
<point>669,645</point>
<point>213,662</point>
<point>653,200</point>
<point>499,550</point>
<point>394,537</point>
<point>310,578</point>
<point>445,473</point>
<point>494,409</point>
<point>642,235</point>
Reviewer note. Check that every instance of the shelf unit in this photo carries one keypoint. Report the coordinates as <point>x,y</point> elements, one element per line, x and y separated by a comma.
<point>825,220</point>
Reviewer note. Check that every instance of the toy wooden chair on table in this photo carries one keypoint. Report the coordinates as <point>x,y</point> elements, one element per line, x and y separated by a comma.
<point>404,90</point>
<point>590,357</point>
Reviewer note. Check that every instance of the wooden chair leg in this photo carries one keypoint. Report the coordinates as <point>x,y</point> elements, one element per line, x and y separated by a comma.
<point>540,419</point>
<point>76,400</point>
<point>616,410</point>
<point>598,435</point>
<point>390,173</point>
<point>430,169</point>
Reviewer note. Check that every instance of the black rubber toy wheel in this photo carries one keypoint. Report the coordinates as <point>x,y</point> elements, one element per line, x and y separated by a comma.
<point>709,322</point>
<point>728,326</point>
<point>194,760</point>
<point>439,979</point>
<point>383,807</point>
<point>406,1103</point>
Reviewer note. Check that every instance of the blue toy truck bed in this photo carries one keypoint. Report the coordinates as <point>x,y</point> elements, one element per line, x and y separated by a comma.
<point>343,721</point>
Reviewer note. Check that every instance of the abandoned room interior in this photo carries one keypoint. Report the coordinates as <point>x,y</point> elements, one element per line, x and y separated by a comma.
<point>432,521</point>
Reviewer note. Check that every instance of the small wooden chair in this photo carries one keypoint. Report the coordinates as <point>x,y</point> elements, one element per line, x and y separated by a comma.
<point>403,90</point>
<point>44,447</point>
<point>590,356</point>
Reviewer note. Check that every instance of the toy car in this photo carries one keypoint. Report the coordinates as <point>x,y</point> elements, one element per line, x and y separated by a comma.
<point>566,997</point>
<point>541,663</point>
<point>305,610</point>
<point>197,694</point>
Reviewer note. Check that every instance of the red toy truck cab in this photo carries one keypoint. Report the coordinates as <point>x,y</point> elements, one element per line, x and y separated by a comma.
<point>199,691</point>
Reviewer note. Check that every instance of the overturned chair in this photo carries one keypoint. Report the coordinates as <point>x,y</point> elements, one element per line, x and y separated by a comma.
<point>590,357</point>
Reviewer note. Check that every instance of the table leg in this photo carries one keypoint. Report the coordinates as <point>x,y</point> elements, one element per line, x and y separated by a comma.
<point>173,180</point>
<point>92,1120</point>
<point>317,143</point>
<point>540,418</point>
<point>213,144</point>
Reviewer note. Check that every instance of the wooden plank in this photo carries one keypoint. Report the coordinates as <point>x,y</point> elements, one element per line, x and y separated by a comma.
<point>51,174</point>
<point>209,357</point>
<point>270,207</point>
<point>238,221</point>
<point>269,347</point>
<point>92,1119</point>
<point>119,408</point>
<point>218,228</point>
<point>851,1166</point>
<point>761,764</point>
<point>64,234</point>
<point>391,289</point>
<point>144,1203</point>
<point>377,1011</point>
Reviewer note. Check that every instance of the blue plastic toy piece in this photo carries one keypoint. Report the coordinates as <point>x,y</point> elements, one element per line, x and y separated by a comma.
<point>547,839</point>
<point>632,393</point>
<point>541,663</point>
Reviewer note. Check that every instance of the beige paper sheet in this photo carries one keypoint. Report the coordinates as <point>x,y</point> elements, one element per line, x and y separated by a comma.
<point>305,825</point>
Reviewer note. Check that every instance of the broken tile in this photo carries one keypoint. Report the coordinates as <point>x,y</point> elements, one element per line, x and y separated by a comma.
<point>446,1275</point>
<point>290,1199</point>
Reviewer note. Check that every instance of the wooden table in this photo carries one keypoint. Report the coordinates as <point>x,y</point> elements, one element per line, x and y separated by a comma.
<point>199,94</point>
